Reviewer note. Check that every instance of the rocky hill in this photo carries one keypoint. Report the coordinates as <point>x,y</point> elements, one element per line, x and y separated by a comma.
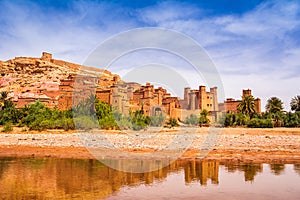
<point>40,78</point>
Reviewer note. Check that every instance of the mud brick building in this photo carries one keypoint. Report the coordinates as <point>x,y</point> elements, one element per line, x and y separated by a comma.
<point>61,84</point>
<point>230,105</point>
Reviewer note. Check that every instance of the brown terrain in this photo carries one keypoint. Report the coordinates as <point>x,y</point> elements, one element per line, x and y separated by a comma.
<point>232,144</point>
<point>27,79</point>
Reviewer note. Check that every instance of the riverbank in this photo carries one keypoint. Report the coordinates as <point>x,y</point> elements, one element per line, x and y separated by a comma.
<point>225,144</point>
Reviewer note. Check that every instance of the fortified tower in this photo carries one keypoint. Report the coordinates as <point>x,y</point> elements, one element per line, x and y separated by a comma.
<point>46,56</point>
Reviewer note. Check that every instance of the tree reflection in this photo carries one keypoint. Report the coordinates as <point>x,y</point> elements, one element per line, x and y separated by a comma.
<point>277,169</point>
<point>3,165</point>
<point>297,168</point>
<point>250,169</point>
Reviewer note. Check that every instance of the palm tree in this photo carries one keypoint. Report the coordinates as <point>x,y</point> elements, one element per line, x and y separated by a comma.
<point>275,108</point>
<point>295,103</point>
<point>247,105</point>
<point>203,117</point>
<point>274,105</point>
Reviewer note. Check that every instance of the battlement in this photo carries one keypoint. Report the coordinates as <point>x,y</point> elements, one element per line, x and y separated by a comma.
<point>46,56</point>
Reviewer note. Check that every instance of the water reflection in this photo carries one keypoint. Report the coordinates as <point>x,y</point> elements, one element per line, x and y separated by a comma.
<point>201,171</point>
<point>297,168</point>
<point>277,169</point>
<point>250,170</point>
<point>90,179</point>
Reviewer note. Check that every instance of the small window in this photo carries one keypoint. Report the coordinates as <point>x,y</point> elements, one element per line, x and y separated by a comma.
<point>207,105</point>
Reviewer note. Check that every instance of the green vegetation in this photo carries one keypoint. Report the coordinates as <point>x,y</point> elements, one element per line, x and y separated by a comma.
<point>203,117</point>
<point>247,106</point>
<point>192,120</point>
<point>86,115</point>
<point>172,122</point>
<point>273,117</point>
<point>295,103</point>
<point>7,127</point>
<point>274,105</point>
<point>201,120</point>
<point>92,113</point>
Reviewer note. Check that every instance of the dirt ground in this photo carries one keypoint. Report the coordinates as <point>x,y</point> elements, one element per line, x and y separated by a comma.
<point>278,145</point>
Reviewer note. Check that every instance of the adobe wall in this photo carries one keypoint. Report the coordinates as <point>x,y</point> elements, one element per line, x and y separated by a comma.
<point>231,106</point>
<point>104,96</point>
<point>22,102</point>
<point>258,105</point>
<point>65,63</point>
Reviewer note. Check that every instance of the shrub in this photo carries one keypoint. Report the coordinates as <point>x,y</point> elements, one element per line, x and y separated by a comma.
<point>68,124</point>
<point>124,123</point>
<point>260,123</point>
<point>37,125</point>
<point>291,120</point>
<point>139,120</point>
<point>7,127</point>
<point>108,122</point>
<point>241,119</point>
<point>173,122</point>
<point>157,120</point>
<point>85,122</point>
<point>192,120</point>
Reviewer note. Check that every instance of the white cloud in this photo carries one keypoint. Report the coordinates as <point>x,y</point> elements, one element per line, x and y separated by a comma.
<point>168,11</point>
<point>254,50</point>
<point>69,35</point>
<point>258,49</point>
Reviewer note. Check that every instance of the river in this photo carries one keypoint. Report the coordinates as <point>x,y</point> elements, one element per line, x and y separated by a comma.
<point>50,178</point>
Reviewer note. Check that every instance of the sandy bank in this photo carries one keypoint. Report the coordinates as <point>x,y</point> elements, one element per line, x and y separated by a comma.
<point>226,144</point>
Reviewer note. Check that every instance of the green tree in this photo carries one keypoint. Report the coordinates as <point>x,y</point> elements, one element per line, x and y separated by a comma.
<point>241,119</point>
<point>274,105</point>
<point>291,120</point>
<point>295,103</point>
<point>203,117</point>
<point>229,119</point>
<point>274,108</point>
<point>3,97</point>
<point>9,112</point>
<point>139,120</point>
<point>247,106</point>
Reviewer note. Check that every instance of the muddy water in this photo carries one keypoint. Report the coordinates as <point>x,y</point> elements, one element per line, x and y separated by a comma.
<point>90,179</point>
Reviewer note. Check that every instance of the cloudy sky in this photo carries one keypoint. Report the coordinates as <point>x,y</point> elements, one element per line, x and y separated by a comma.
<point>253,44</point>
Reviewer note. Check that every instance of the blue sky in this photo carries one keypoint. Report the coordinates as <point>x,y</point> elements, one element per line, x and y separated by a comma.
<point>254,44</point>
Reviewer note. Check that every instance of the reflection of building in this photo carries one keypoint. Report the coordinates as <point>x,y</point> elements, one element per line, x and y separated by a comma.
<point>88,179</point>
<point>202,171</point>
<point>230,105</point>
